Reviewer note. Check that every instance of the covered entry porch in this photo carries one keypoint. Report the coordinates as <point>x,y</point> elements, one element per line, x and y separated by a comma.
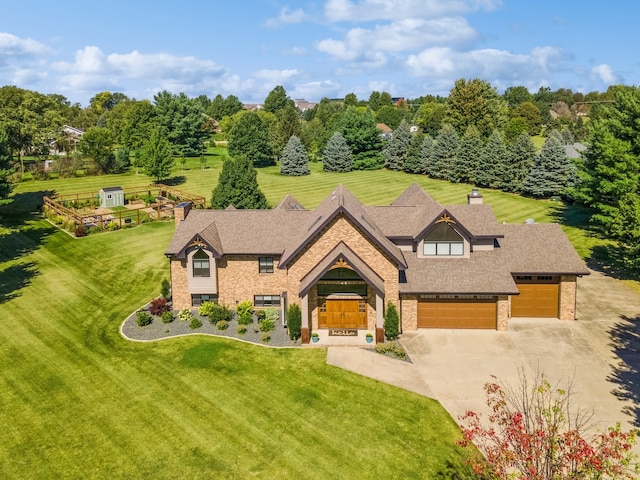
<point>342,299</point>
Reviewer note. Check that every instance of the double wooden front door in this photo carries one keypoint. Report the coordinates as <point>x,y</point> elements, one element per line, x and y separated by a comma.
<point>343,313</point>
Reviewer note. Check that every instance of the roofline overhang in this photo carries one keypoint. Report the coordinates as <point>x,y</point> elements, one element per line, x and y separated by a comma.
<point>422,292</point>
<point>529,272</point>
<point>195,241</point>
<point>421,234</point>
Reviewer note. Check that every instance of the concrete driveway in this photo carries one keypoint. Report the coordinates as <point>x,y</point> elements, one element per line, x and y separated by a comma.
<point>600,352</point>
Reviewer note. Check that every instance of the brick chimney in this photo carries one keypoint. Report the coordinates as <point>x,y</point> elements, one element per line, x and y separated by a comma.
<point>180,211</point>
<point>474,198</point>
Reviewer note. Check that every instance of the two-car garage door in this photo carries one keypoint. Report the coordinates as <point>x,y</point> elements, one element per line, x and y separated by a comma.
<point>457,313</point>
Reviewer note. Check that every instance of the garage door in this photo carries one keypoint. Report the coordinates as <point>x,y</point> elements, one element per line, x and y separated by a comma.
<point>456,313</point>
<point>538,300</point>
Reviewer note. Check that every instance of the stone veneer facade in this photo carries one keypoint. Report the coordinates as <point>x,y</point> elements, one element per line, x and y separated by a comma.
<point>568,288</point>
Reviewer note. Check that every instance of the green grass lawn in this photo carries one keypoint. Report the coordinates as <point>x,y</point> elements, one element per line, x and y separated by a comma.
<point>78,401</point>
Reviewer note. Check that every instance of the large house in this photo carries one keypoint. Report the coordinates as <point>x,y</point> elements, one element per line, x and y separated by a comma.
<point>342,262</point>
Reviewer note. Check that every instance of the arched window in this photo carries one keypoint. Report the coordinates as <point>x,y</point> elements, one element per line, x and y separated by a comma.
<point>443,240</point>
<point>201,265</point>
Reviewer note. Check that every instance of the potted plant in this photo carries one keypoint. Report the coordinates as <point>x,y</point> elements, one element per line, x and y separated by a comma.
<point>369,337</point>
<point>314,337</point>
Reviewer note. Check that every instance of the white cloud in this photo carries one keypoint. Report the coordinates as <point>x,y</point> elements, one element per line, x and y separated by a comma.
<point>314,91</point>
<point>12,46</point>
<point>298,51</point>
<point>286,17</point>
<point>22,61</point>
<point>488,64</point>
<point>92,69</point>
<point>604,73</point>
<point>368,10</point>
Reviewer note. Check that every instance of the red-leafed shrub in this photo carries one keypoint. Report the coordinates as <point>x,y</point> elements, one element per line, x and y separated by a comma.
<point>159,306</point>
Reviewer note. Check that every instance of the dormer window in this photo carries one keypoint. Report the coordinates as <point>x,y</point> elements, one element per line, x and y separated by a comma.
<point>443,240</point>
<point>201,264</point>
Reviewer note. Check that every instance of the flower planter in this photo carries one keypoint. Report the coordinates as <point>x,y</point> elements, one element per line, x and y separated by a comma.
<point>315,339</point>
<point>369,339</point>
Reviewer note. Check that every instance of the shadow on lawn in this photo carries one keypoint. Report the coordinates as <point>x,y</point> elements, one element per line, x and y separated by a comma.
<point>625,340</point>
<point>14,278</point>
<point>25,207</point>
<point>174,181</point>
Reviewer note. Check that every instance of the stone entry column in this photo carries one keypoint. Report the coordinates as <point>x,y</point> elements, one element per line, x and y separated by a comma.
<point>305,333</point>
<point>379,319</point>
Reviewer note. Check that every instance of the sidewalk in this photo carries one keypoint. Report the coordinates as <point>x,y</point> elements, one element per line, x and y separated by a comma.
<point>385,369</point>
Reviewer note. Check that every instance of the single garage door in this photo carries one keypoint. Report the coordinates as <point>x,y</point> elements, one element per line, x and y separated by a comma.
<point>457,313</point>
<point>538,300</point>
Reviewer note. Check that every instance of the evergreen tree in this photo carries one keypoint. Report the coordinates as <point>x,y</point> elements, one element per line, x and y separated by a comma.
<point>5,169</point>
<point>249,137</point>
<point>396,149</point>
<point>445,151</point>
<point>294,158</point>
<point>415,162</point>
<point>238,186</point>
<point>363,137</point>
<point>276,100</point>
<point>287,125</point>
<point>522,156</point>
<point>182,119</point>
<point>426,154</point>
<point>493,162</point>
<point>610,175</point>
<point>391,322</point>
<point>156,155</point>
<point>552,171</point>
<point>469,151</point>
<point>336,156</point>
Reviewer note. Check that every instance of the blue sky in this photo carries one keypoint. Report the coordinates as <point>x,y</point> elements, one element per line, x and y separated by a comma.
<point>315,48</point>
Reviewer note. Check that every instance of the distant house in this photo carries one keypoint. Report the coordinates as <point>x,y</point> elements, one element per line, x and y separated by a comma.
<point>302,105</point>
<point>252,106</point>
<point>385,131</point>
<point>111,197</point>
<point>67,142</point>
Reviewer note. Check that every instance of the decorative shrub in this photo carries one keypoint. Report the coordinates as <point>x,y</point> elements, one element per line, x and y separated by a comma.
<point>93,230</point>
<point>222,325</point>
<point>158,306</point>
<point>267,325</point>
<point>272,314</point>
<point>242,329</point>
<point>206,309</point>
<point>195,323</point>
<point>392,348</point>
<point>111,226</point>
<point>167,317</point>
<point>244,307</point>
<point>294,321</point>
<point>143,318</point>
<point>165,288</point>
<point>245,318</point>
<point>80,231</point>
<point>185,315</point>
<point>391,322</point>
<point>266,337</point>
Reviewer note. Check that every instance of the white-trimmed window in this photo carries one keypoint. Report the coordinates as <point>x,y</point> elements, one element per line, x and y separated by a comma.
<point>443,241</point>
<point>201,264</point>
<point>266,300</point>
<point>198,298</point>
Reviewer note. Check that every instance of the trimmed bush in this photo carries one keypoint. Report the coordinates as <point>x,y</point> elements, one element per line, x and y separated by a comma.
<point>267,325</point>
<point>216,312</point>
<point>206,309</point>
<point>241,329</point>
<point>244,308</point>
<point>165,288</point>
<point>222,325</point>
<point>391,322</point>
<point>159,306</point>
<point>392,348</point>
<point>167,317</point>
<point>245,318</point>
<point>271,314</point>
<point>266,337</point>
<point>195,323</point>
<point>294,321</point>
<point>80,231</point>
<point>143,319</point>
<point>185,315</point>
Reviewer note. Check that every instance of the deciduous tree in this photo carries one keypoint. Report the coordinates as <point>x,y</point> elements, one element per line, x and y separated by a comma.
<point>249,137</point>
<point>363,137</point>
<point>98,144</point>
<point>476,102</point>
<point>5,169</point>
<point>156,155</point>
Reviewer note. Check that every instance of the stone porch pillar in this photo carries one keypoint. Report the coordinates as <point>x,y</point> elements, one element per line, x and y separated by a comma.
<point>379,319</point>
<point>305,333</point>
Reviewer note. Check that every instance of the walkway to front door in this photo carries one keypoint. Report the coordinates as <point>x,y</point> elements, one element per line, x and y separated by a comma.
<point>343,313</point>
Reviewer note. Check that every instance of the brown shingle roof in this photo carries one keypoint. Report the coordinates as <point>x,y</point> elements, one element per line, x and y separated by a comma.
<point>340,202</point>
<point>541,248</point>
<point>289,203</point>
<point>479,220</point>
<point>415,195</point>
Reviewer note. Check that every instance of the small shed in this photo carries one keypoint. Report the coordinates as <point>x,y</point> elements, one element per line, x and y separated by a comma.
<point>111,197</point>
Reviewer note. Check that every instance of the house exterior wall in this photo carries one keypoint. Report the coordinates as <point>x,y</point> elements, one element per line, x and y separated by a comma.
<point>503,307</point>
<point>568,287</point>
<point>180,294</point>
<point>201,284</point>
<point>339,230</point>
<point>239,279</point>
<point>409,312</point>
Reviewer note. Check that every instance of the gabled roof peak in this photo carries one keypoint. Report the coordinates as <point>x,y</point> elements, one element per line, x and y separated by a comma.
<point>414,195</point>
